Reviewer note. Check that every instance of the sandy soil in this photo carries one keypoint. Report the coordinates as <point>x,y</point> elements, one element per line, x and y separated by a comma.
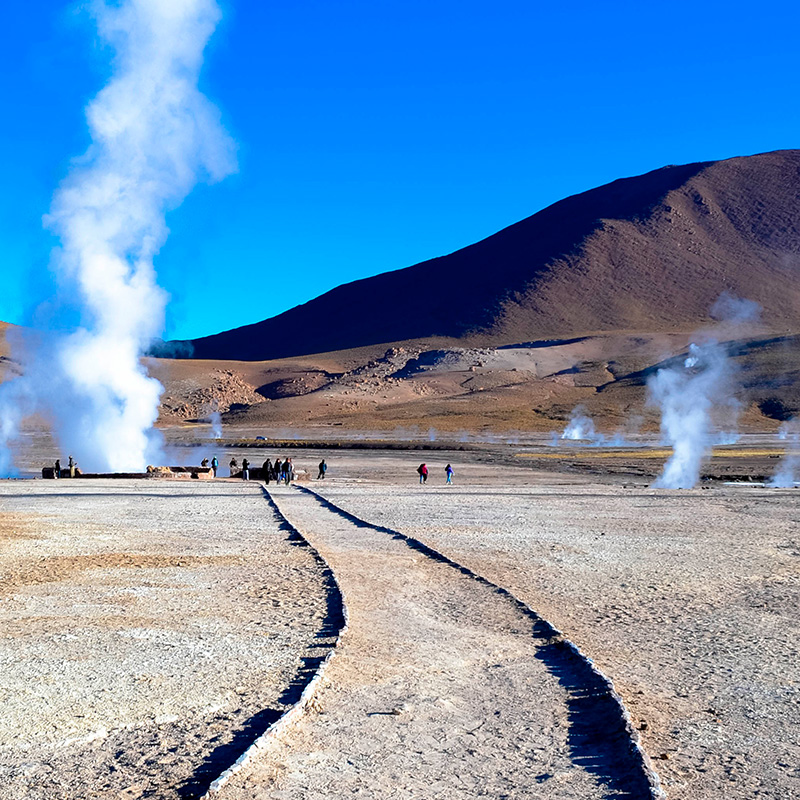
<point>149,630</point>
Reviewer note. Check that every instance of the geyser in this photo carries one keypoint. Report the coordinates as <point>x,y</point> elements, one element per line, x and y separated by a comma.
<point>154,135</point>
<point>789,467</point>
<point>687,394</point>
<point>580,426</point>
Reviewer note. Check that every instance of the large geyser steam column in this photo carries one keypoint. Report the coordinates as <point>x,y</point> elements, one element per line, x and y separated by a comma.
<point>153,136</point>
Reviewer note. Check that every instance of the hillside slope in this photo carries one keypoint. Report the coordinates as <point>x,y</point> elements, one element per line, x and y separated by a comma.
<point>649,253</point>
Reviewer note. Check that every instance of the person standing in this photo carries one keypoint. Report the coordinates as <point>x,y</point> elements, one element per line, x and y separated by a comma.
<point>245,470</point>
<point>289,470</point>
<point>214,465</point>
<point>71,467</point>
<point>232,466</point>
<point>422,470</point>
<point>448,470</point>
<point>57,469</point>
<point>323,468</point>
<point>266,471</point>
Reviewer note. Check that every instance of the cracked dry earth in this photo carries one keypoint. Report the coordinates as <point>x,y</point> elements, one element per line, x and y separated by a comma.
<point>148,630</point>
<point>439,689</point>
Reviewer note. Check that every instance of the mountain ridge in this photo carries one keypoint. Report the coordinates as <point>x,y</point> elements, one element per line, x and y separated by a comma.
<point>646,253</point>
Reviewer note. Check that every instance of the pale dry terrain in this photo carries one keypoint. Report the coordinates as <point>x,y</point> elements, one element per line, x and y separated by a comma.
<point>149,631</point>
<point>687,600</point>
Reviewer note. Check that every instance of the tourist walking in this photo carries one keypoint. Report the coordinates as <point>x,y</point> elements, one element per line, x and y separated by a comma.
<point>448,470</point>
<point>323,468</point>
<point>422,470</point>
<point>245,470</point>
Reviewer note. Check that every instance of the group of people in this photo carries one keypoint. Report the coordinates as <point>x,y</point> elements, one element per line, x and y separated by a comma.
<point>214,465</point>
<point>422,471</point>
<point>71,467</point>
<point>283,471</point>
<point>280,471</point>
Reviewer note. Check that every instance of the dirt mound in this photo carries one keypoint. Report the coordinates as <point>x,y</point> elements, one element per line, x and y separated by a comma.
<point>220,391</point>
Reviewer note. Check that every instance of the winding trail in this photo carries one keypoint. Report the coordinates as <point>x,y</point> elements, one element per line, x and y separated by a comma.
<point>443,686</point>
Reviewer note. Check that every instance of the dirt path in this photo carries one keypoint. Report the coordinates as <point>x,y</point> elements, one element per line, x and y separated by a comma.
<point>442,687</point>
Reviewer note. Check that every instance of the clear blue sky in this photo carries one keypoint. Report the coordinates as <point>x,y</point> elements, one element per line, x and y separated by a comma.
<point>374,134</point>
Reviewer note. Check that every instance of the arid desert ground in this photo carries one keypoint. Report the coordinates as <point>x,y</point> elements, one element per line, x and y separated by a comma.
<point>153,629</point>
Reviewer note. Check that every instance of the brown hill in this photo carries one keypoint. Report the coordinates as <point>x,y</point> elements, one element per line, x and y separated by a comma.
<point>649,253</point>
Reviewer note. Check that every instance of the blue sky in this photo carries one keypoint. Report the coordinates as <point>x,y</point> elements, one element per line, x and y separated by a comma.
<point>373,135</point>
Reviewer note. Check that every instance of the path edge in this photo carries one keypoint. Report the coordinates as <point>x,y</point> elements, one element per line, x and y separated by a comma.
<point>296,711</point>
<point>639,753</point>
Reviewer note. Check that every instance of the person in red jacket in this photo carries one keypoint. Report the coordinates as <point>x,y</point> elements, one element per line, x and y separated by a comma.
<point>422,470</point>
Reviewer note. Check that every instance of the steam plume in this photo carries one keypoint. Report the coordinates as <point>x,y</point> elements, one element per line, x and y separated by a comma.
<point>687,395</point>
<point>153,136</point>
<point>789,467</point>
<point>215,418</point>
<point>580,426</point>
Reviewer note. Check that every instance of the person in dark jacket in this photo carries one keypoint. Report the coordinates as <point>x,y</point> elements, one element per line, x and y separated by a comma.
<point>266,471</point>
<point>233,464</point>
<point>323,468</point>
<point>245,470</point>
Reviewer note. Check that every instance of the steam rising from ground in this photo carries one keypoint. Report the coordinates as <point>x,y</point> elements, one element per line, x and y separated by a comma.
<point>687,394</point>
<point>581,430</point>
<point>215,418</point>
<point>153,136</point>
<point>580,426</point>
<point>789,468</point>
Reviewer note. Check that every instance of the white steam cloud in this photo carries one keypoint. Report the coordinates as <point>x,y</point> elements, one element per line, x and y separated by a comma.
<point>215,418</point>
<point>154,135</point>
<point>691,393</point>
<point>788,471</point>
<point>580,427</point>
<point>581,430</point>
<point>687,394</point>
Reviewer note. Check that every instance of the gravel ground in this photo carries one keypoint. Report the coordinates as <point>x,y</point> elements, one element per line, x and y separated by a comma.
<point>687,600</point>
<point>148,631</point>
